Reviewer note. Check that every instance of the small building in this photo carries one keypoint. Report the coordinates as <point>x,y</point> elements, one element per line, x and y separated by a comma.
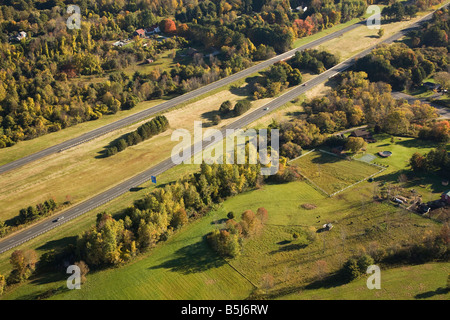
<point>21,35</point>
<point>363,133</point>
<point>327,226</point>
<point>152,30</point>
<point>149,61</point>
<point>139,33</point>
<point>446,197</point>
<point>431,85</point>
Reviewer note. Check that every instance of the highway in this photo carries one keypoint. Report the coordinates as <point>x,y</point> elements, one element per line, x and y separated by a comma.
<point>170,103</point>
<point>41,227</point>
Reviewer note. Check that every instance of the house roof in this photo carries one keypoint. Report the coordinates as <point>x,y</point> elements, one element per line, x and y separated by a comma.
<point>360,133</point>
<point>446,193</point>
<point>140,31</point>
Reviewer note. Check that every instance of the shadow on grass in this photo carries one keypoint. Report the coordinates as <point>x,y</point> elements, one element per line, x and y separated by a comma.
<point>197,257</point>
<point>288,247</point>
<point>220,221</point>
<point>44,294</point>
<point>332,281</point>
<point>59,244</point>
<point>135,189</point>
<point>430,294</point>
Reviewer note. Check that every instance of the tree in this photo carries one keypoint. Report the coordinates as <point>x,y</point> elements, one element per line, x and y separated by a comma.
<point>230,215</point>
<point>84,269</point>
<point>168,26</point>
<point>351,270</point>
<point>23,264</point>
<point>2,284</point>
<point>380,33</point>
<point>225,107</point>
<point>354,144</point>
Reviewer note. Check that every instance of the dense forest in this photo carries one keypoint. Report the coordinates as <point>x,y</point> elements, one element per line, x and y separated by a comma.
<point>40,91</point>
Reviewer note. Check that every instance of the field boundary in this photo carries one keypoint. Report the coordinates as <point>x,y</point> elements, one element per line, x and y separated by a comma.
<point>315,186</point>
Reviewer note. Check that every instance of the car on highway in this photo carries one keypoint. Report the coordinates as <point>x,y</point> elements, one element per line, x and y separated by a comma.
<point>267,108</point>
<point>58,219</point>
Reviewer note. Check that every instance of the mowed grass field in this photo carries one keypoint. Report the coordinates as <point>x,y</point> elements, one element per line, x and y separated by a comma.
<point>421,282</point>
<point>332,173</point>
<point>185,268</point>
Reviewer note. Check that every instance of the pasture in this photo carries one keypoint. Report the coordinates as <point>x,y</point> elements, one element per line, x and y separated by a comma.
<point>333,173</point>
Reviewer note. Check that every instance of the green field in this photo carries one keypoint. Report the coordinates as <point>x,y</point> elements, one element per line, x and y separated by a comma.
<point>332,173</point>
<point>426,281</point>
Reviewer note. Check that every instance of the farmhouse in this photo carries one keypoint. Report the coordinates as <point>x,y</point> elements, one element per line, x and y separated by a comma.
<point>362,133</point>
<point>446,197</point>
<point>139,33</point>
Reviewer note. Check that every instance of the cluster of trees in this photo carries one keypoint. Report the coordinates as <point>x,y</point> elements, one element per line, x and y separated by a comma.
<point>356,266</point>
<point>401,66</point>
<point>280,76</point>
<point>314,60</point>
<point>398,11</point>
<point>438,131</point>
<point>228,241</point>
<point>29,214</point>
<point>154,217</point>
<point>353,102</point>
<point>143,132</point>
<point>227,110</point>
<point>436,160</point>
<point>23,265</point>
<point>434,33</point>
<point>32,213</point>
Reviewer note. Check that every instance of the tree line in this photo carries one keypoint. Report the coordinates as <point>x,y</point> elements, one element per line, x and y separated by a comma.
<point>143,132</point>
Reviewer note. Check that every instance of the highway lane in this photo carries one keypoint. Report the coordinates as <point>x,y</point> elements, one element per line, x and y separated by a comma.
<point>104,197</point>
<point>169,104</point>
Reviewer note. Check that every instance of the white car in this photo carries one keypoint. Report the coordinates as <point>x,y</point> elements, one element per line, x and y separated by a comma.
<point>266,108</point>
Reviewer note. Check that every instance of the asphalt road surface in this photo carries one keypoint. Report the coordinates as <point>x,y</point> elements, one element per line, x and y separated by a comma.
<point>104,197</point>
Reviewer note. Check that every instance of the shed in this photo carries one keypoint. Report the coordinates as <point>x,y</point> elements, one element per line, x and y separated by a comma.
<point>446,197</point>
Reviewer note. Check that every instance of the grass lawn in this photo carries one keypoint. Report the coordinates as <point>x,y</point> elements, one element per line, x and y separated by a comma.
<point>426,281</point>
<point>333,173</point>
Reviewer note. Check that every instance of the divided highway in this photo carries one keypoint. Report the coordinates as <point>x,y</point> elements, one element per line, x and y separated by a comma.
<point>170,103</point>
<point>104,197</point>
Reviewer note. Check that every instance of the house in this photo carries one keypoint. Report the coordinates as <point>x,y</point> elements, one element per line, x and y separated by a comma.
<point>446,197</point>
<point>152,30</point>
<point>431,85</point>
<point>149,61</point>
<point>363,133</point>
<point>21,35</point>
<point>139,33</point>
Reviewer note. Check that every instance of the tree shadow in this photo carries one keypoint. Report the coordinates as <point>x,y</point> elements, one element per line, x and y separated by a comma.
<point>59,244</point>
<point>220,221</point>
<point>194,258</point>
<point>332,281</point>
<point>288,247</point>
<point>135,189</point>
<point>430,294</point>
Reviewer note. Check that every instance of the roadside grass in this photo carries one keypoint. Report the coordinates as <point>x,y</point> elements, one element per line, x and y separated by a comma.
<point>420,282</point>
<point>80,172</point>
<point>332,173</point>
<point>359,39</point>
<point>65,234</point>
